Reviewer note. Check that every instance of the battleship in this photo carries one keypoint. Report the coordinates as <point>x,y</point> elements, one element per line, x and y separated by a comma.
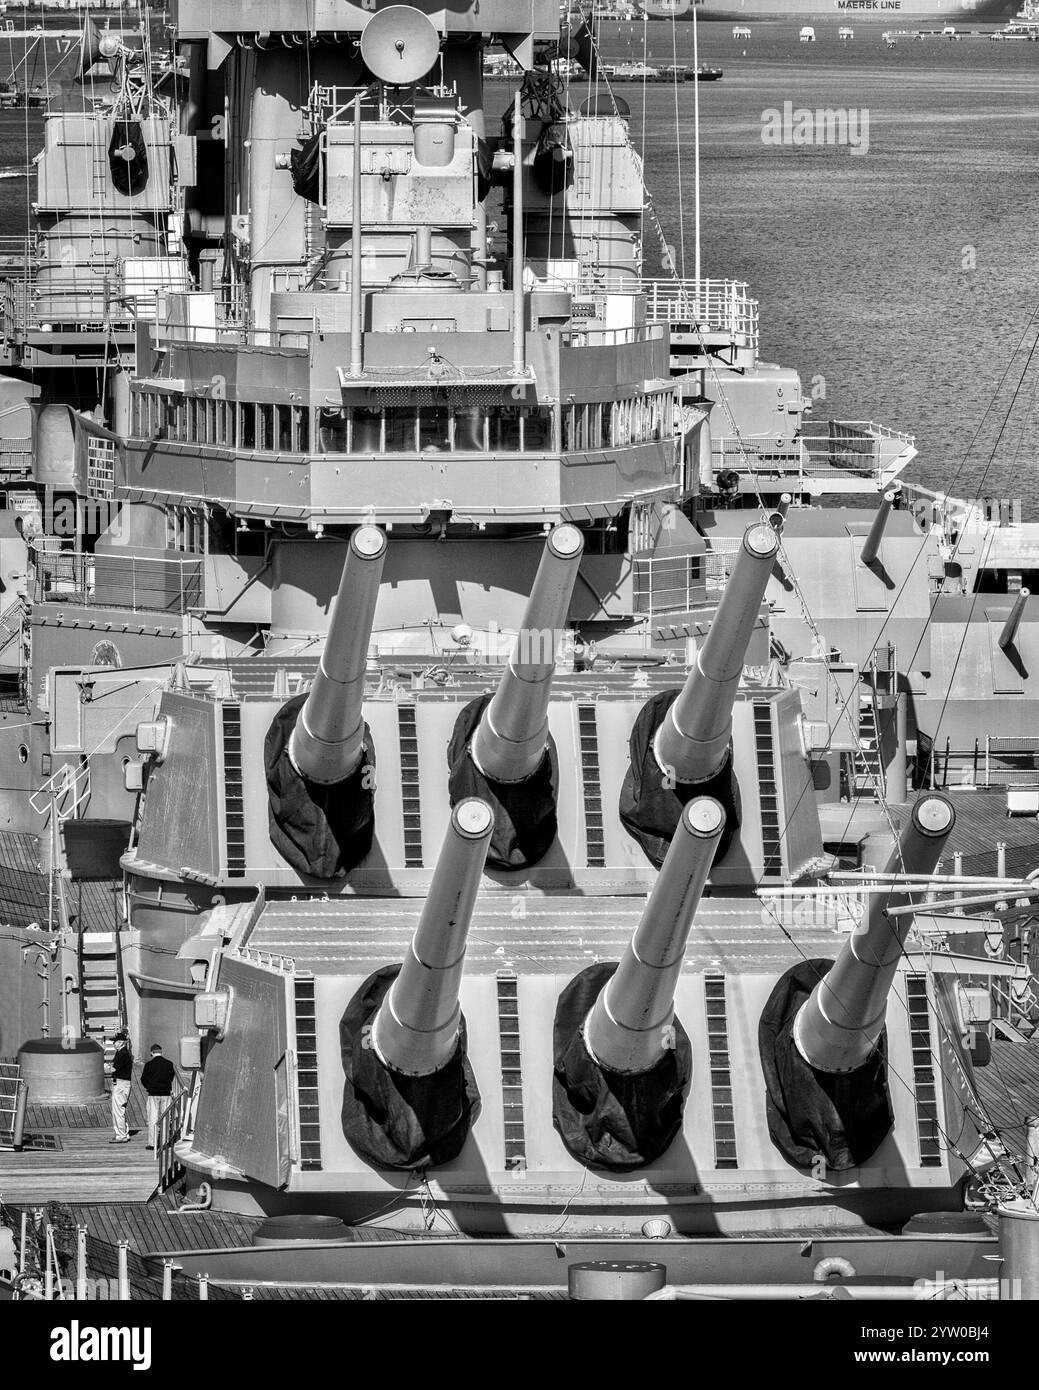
<point>554,849</point>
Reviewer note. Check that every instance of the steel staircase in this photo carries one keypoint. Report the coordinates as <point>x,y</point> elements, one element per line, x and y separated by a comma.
<point>869,772</point>
<point>100,988</point>
<point>11,624</point>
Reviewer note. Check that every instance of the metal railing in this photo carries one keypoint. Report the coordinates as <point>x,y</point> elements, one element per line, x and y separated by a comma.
<point>1010,762</point>
<point>171,1127</point>
<point>852,450</point>
<point>228,333</point>
<point>668,584</point>
<point>118,581</point>
<point>615,337</point>
<point>722,305</point>
<point>719,562</point>
<point>16,456</point>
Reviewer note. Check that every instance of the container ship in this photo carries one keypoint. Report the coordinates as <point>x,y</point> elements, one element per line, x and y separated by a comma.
<point>863,11</point>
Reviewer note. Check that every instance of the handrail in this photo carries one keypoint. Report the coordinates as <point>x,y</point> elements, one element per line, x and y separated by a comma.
<point>137,583</point>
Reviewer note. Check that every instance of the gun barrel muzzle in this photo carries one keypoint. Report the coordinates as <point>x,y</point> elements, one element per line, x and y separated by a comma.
<point>629,1027</point>
<point>693,739</point>
<point>328,741</point>
<point>1008,636</point>
<point>838,1027</point>
<point>416,1028</point>
<point>871,547</point>
<point>511,737</point>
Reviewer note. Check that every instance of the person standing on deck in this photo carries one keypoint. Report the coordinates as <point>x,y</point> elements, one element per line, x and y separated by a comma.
<point>157,1078</point>
<point>122,1071</point>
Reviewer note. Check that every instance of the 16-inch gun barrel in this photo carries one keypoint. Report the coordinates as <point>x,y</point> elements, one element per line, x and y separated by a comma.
<point>838,1027</point>
<point>628,1027</point>
<point>327,743</point>
<point>693,739</point>
<point>512,735</point>
<point>416,1028</point>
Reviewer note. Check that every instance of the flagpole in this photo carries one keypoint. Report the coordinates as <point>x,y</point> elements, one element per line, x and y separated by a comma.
<point>696,152</point>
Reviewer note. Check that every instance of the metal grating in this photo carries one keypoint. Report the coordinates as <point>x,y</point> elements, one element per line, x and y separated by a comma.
<point>722,1110</point>
<point>234,803</point>
<point>511,1074</point>
<point>411,804</point>
<point>768,789</point>
<point>100,467</point>
<point>923,1071</point>
<point>306,1073</point>
<point>588,736</point>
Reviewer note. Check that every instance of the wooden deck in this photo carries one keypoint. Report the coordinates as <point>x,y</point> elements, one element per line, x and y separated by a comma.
<point>1009,1088</point>
<point>74,1162</point>
<point>154,1227</point>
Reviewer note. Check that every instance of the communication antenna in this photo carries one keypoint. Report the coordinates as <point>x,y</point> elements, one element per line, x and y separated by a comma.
<point>400,45</point>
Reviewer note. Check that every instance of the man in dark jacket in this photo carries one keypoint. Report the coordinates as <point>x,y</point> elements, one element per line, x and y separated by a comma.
<point>157,1078</point>
<point>122,1071</point>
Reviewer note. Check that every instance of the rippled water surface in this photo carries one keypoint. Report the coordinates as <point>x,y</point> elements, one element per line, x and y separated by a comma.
<point>905,277</point>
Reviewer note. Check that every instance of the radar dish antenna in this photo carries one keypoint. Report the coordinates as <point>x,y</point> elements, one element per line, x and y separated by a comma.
<point>399,45</point>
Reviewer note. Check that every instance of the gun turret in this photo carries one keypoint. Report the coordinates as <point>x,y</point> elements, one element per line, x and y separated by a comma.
<point>692,741</point>
<point>622,1060</point>
<point>512,735</point>
<point>318,752</point>
<point>410,1095</point>
<point>679,745</point>
<point>838,1028</point>
<point>416,1029</point>
<point>501,749</point>
<point>821,1034</point>
<point>328,740</point>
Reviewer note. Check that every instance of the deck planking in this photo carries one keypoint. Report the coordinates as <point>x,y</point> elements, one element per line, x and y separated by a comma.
<point>84,1168</point>
<point>1009,1088</point>
<point>153,1227</point>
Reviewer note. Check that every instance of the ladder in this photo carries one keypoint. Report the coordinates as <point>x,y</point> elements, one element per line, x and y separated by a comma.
<point>868,771</point>
<point>11,624</point>
<point>100,988</point>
